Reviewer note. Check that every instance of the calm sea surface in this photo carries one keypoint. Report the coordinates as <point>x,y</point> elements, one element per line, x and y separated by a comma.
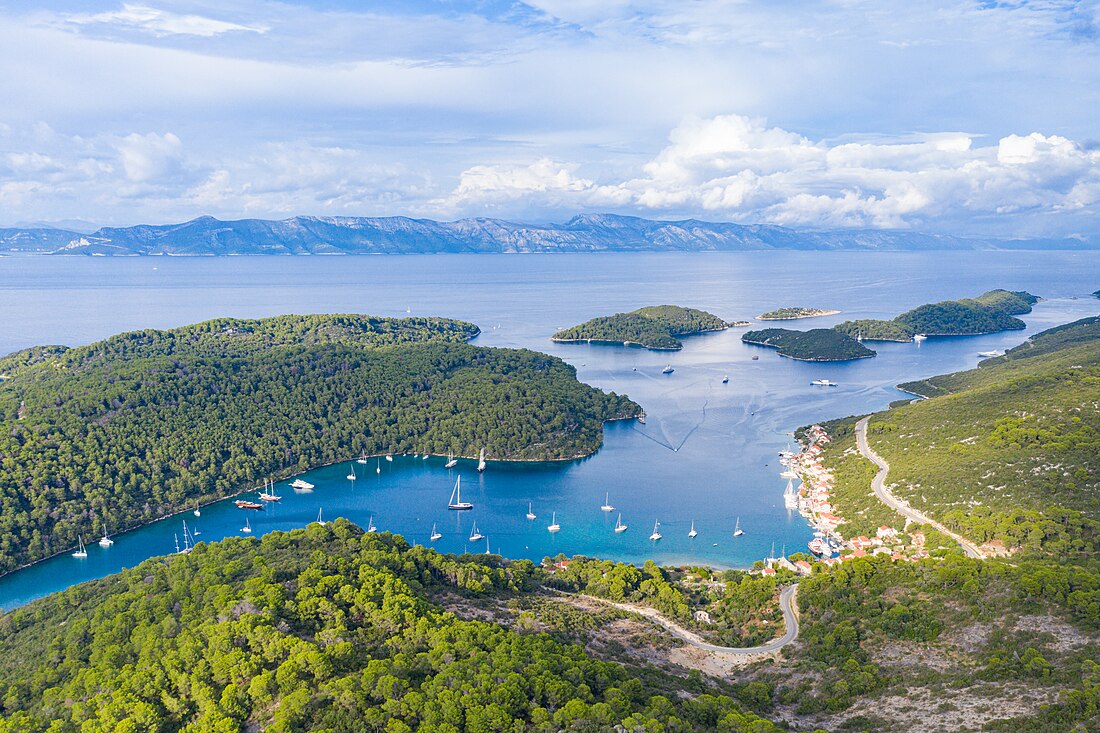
<point>707,453</point>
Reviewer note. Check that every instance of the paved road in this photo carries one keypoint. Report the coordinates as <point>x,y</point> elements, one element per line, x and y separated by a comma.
<point>788,601</point>
<point>878,484</point>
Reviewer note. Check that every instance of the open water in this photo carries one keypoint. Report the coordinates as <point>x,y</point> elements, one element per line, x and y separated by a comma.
<point>707,452</point>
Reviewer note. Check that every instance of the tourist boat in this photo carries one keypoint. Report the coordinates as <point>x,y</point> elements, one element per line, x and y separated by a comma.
<point>819,547</point>
<point>456,502</point>
<point>656,535</point>
<point>81,550</point>
<point>481,461</point>
<point>451,461</point>
<point>105,540</point>
<point>246,504</point>
<point>919,337</point>
<point>726,379</point>
<point>790,496</point>
<point>823,383</point>
<point>319,520</point>
<point>553,526</point>
<point>476,536</point>
<point>530,512</point>
<point>737,531</point>
<point>668,370</point>
<point>371,529</point>
<point>301,485</point>
<point>247,528</point>
<point>607,504</point>
<point>435,535</point>
<point>619,526</point>
<point>692,533</point>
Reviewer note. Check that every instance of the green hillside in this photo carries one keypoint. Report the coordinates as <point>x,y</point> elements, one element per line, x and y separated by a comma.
<point>871,329</point>
<point>653,327</point>
<point>988,313</point>
<point>818,344</point>
<point>138,426</point>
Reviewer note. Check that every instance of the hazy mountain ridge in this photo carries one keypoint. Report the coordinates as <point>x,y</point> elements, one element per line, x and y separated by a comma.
<point>300,235</point>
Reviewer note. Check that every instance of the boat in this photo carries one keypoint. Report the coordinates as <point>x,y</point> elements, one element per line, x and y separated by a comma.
<point>319,520</point>
<point>455,503</point>
<point>362,461</point>
<point>424,457</point>
<point>737,531</point>
<point>553,526</point>
<point>105,540</point>
<point>197,513</point>
<point>990,354</point>
<point>389,457</point>
<point>726,379</point>
<point>756,358</point>
<point>823,383</point>
<point>656,535</point>
<point>619,526</point>
<point>607,504</point>
<point>188,540</point>
<point>487,546</point>
<point>530,512</point>
<point>790,496</point>
<point>301,485</point>
<point>81,550</point>
<point>919,337</point>
<point>789,474</point>
<point>819,547</point>
<point>351,476</point>
<point>435,535</point>
<point>247,528</point>
<point>371,529</point>
<point>378,467</point>
<point>267,496</point>
<point>668,370</point>
<point>246,504</point>
<point>451,461</point>
<point>481,461</point>
<point>859,337</point>
<point>692,533</point>
<point>475,535</point>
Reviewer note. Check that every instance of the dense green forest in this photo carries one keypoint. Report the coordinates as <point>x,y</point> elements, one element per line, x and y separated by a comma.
<point>784,314</point>
<point>325,628</point>
<point>990,312</point>
<point>818,344</point>
<point>133,428</point>
<point>654,327</point>
<point>870,329</point>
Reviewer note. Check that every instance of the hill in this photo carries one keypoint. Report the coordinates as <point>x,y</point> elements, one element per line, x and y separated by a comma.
<point>653,327</point>
<point>870,329</point>
<point>138,426</point>
<point>819,344</point>
<point>988,313</point>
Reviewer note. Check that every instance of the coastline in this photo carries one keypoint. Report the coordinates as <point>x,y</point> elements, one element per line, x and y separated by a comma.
<point>815,314</point>
<point>614,342</point>
<point>799,358</point>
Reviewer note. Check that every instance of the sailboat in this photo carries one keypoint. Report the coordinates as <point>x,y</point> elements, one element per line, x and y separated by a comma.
<point>247,528</point>
<point>389,457</point>
<point>619,526</point>
<point>351,476</point>
<point>319,520</point>
<point>362,461</point>
<point>656,535</point>
<point>451,461</point>
<point>435,535</point>
<point>737,531</point>
<point>607,504</point>
<point>475,535</point>
<point>105,540</point>
<point>530,512</point>
<point>487,546</point>
<point>197,513</point>
<point>553,526</point>
<point>81,550</point>
<point>481,461</point>
<point>919,337</point>
<point>186,539</point>
<point>726,379</point>
<point>668,370</point>
<point>378,467</point>
<point>455,503</point>
<point>424,457</point>
<point>790,496</point>
<point>692,533</point>
<point>269,495</point>
<point>371,529</point>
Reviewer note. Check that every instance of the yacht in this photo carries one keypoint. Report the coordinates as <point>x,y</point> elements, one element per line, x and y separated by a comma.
<point>378,467</point>
<point>105,540</point>
<point>530,512</point>
<point>197,513</point>
<point>246,504</point>
<point>607,504</point>
<point>424,457</point>
<point>301,485</point>
<point>726,379</point>
<point>389,457</point>
<point>451,462</point>
<point>247,528</point>
<point>362,461</point>
<point>919,337</point>
<point>656,535</point>
<point>692,533</point>
<point>81,550</point>
<point>553,526</point>
<point>619,526</point>
<point>487,546</point>
<point>455,503</point>
<point>737,531</point>
<point>269,496</point>
<point>819,547</point>
<point>475,535</point>
<point>823,383</point>
<point>668,369</point>
<point>790,496</point>
<point>481,461</point>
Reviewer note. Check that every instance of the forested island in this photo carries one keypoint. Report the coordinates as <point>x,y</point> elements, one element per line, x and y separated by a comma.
<point>652,327</point>
<point>789,314</point>
<point>990,312</point>
<point>133,428</point>
<point>870,329</point>
<point>819,344</point>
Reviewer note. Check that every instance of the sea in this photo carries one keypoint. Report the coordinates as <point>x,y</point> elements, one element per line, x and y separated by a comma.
<point>706,456</point>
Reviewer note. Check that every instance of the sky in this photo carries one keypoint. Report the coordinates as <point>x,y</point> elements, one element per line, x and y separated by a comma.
<point>972,118</point>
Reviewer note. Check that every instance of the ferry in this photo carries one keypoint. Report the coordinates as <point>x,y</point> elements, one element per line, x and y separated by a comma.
<point>824,383</point>
<point>245,504</point>
<point>819,547</point>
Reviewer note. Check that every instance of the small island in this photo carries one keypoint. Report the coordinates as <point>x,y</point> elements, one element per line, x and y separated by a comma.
<point>990,312</point>
<point>819,344</point>
<point>740,324</point>
<point>872,329</point>
<point>653,327</point>
<point>790,314</point>
<point>1096,293</point>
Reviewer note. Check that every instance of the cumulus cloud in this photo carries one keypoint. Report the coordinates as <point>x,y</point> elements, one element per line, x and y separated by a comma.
<point>161,22</point>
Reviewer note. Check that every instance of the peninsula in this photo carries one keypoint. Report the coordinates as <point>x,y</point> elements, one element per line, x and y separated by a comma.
<point>990,312</point>
<point>790,314</point>
<point>653,327</point>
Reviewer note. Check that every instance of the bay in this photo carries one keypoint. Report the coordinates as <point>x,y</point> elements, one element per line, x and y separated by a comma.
<point>707,452</point>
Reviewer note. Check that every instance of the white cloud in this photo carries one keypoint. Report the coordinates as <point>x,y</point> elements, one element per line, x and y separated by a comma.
<point>161,22</point>
<point>150,156</point>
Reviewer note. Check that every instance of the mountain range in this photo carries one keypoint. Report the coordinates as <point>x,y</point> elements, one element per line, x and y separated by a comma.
<point>306,235</point>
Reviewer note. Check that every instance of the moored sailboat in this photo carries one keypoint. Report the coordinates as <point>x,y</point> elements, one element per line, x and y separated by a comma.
<point>530,511</point>
<point>607,504</point>
<point>435,534</point>
<point>455,503</point>
<point>737,531</point>
<point>656,535</point>
<point>692,534</point>
<point>619,526</point>
<point>481,461</point>
<point>105,540</point>
<point>553,526</point>
<point>81,551</point>
<point>475,535</point>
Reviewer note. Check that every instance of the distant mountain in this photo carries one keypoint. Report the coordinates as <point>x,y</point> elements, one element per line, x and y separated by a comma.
<point>302,235</point>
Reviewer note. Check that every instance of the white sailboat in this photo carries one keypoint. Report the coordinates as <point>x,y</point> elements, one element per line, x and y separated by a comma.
<point>530,512</point>
<point>692,533</point>
<point>81,550</point>
<point>187,542</point>
<point>668,370</point>
<point>319,520</point>
<point>371,529</point>
<point>553,526</point>
<point>487,546</point>
<point>378,467</point>
<point>455,503</point>
<point>481,461</point>
<point>656,535</point>
<point>451,461</point>
<point>919,337</point>
<point>362,461</point>
<point>435,535</point>
<point>424,457</point>
<point>726,379</point>
<point>247,528</point>
<point>790,496</point>
<point>197,513</point>
<point>475,535</point>
<point>105,540</point>
<point>351,476</point>
<point>607,503</point>
<point>737,531</point>
<point>389,457</point>
<point>619,526</point>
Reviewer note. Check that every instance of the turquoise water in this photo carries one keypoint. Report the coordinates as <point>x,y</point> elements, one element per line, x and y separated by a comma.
<point>707,452</point>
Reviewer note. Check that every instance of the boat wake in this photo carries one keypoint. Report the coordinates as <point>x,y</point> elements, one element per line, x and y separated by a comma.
<point>667,442</point>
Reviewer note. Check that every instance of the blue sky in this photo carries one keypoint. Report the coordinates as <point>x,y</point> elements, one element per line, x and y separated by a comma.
<point>962,117</point>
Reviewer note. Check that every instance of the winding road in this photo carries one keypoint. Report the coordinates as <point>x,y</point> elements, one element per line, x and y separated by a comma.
<point>878,484</point>
<point>788,603</point>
